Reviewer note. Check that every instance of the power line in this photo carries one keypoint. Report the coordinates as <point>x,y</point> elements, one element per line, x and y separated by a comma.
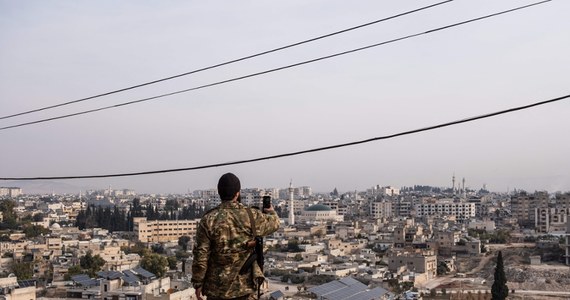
<point>410,132</point>
<point>227,62</point>
<point>273,70</point>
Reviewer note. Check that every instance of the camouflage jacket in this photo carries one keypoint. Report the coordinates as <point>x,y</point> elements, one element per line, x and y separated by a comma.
<point>220,249</point>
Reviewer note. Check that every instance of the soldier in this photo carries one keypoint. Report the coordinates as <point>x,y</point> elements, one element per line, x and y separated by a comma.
<point>224,243</point>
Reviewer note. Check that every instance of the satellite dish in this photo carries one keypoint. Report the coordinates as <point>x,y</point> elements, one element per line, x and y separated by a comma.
<point>11,275</point>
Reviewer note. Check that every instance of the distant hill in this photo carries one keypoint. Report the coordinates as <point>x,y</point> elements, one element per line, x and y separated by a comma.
<point>44,187</point>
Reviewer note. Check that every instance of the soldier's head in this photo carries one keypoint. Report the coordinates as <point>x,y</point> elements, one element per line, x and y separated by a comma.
<point>228,187</point>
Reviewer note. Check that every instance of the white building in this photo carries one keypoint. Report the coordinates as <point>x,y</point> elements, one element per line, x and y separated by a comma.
<point>460,210</point>
<point>10,191</point>
<point>319,213</point>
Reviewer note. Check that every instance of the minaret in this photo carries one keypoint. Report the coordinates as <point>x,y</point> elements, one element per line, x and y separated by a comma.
<point>291,204</point>
<point>453,183</point>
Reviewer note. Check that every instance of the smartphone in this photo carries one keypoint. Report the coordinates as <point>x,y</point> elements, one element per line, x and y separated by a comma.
<point>266,201</point>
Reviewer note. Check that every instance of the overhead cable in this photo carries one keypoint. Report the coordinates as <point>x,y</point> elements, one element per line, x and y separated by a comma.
<point>410,132</point>
<point>272,70</point>
<point>227,62</point>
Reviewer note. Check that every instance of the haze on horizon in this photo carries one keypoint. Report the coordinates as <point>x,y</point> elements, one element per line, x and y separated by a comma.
<point>64,50</point>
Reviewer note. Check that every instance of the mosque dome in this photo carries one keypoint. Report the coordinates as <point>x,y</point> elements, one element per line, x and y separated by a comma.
<point>318,207</point>
<point>55,226</point>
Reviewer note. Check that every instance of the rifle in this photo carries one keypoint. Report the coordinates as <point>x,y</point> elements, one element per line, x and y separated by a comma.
<point>256,255</point>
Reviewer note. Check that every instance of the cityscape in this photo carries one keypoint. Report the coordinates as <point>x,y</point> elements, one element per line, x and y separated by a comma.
<point>410,150</point>
<point>386,242</point>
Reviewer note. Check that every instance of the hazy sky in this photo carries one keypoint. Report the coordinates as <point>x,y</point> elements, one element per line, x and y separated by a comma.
<point>56,51</point>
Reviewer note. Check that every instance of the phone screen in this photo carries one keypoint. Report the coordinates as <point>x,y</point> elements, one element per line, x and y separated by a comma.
<point>266,202</point>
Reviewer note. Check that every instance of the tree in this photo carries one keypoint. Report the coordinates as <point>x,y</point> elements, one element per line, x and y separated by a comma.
<point>499,290</point>
<point>9,220</point>
<point>38,217</point>
<point>157,248</point>
<point>442,268</point>
<point>172,261</point>
<point>183,242</point>
<point>73,270</point>
<point>155,263</point>
<point>35,230</point>
<point>293,246</point>
<point>91,264</point>
<point>23,270</point>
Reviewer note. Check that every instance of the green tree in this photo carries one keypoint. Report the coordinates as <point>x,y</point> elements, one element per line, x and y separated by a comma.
<point>172,262</point>
<point>23,270</point>
<point>499,290</point>
<point>183,242</point>
<point>182,255</point>
<point>35,230</point>
<point>442,268</point>
<point>91,264</point>
<point>293,246</point>
<point>38,217</point>
<point>138,248</point>
<point>155,263</point>
<point>9,216</point>
<point>73,270</point>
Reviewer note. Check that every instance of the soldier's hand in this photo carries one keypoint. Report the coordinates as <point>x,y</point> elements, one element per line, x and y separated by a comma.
<point>268,210</point>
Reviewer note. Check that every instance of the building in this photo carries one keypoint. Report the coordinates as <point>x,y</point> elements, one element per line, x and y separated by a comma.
<point>160,231</point>
<point>347,288</point>
<point>10,192</point>
<point>402,208</point>
<point>12,289</point>
<point>383,190</point>
<point>417,262</point>
<point>380,209</point>
<point>486,224</point>
<point>319,213</point>
<point>567,245</point>
<point>524,205</point>
<point>550,219</point>
<point>461,210</point>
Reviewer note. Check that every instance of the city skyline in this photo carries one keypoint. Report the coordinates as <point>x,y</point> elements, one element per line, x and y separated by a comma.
<point>64,51</point>
<point>47,187</point>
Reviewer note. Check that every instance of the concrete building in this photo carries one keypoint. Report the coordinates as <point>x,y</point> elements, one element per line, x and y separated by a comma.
<point>402,207</point>
<point>160,231</point>
<point>567,245</point>
<point>418,262</point>
<point>461,210</point>
<point>380,209</point>
<point>550,219</point>
<point>12,289</point>
<point>486,224</point>
<point>10,192</point>
<point>523,206</point>
<point>319,213</point>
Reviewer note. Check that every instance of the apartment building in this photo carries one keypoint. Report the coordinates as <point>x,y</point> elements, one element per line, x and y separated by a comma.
<point>402,208</point>
<point>406,235</point>
<point>160,231</point>
<point>10,192</point>
<point>524,205</point>
<point>461,210</point>
<point>380,209</point>
<point>550,219</point>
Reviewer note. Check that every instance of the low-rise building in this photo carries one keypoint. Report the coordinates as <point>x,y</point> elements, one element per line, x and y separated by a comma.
<point>417,262</point>
<point>160,231</point>
<point>12,289</point>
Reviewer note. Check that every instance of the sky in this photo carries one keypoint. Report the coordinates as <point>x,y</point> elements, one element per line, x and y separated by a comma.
<point>57,51</point>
